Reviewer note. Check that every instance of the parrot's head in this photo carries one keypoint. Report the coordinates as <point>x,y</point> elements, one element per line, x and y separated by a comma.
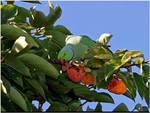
<point>66,53</point>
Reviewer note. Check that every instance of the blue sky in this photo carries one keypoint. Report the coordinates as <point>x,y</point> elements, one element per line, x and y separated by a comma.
<point>127,21</point>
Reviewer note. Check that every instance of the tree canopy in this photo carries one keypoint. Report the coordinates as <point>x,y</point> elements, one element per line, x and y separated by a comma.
<point>48,63</point>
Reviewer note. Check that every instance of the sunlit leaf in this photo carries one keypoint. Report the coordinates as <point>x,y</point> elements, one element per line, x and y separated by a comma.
<point>131,54</point>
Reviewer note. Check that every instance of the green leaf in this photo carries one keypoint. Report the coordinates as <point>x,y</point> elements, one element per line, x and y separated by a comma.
<point>121,107</point>
<point>17,98</point>
<point>56,37</point>
<point>147,97</point>
<point>7,104</point>
<point>104,72</point>
<point>37,87</point>
<point>18,66</point>
<point>39,64</point>
<point>19,81</point>
<point>37,19</point>
<point>120,52</point>
<point>140,84</point>
<point>94,63</point>
<point>145,70</point>
<point>8,32</point>
<point>98,107</point>
<point>139,61</point>
<point>57,87</point>
<point>92,95</point>
<point>7,12</point>
<point>22,14</point>
<point>29,103</point>
<point>54,15</point>
<point>75,106</point>
<point>130,83</point>
<point>57,106</point>
<point>103,84</point>
<point>130,55</point>
<point>62,29</point>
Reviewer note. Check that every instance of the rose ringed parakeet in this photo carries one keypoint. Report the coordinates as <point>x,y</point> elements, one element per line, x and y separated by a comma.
<point>75,47</point>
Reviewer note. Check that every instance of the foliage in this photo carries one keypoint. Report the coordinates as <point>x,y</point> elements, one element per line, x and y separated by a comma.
<point>30,70</point>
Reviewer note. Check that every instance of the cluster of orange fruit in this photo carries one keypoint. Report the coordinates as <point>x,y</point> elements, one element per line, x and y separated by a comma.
<point>77,73</point>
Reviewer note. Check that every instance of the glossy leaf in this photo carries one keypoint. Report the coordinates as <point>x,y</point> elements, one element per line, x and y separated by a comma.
<point>37,87</point>
<point>18,66</point>
<point>8,32</point>
<point>42,64</point>
<point>93,96</point>
<point>17,98</point>
<point>7,103</point>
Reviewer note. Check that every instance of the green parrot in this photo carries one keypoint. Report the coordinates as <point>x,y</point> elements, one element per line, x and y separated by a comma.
<point>75,47</point>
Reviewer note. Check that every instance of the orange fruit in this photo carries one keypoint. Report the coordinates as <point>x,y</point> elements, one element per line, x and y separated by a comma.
<point>88,79</point>
<point>75,73</point>
<point>117,86</point>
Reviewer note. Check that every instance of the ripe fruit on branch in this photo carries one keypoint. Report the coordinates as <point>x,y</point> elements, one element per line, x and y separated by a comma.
<point>88,79</point>
<point>117,86</point>
<point>75,73</point>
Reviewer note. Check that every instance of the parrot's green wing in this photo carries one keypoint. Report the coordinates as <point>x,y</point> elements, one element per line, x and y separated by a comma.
<point>66,53</point>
